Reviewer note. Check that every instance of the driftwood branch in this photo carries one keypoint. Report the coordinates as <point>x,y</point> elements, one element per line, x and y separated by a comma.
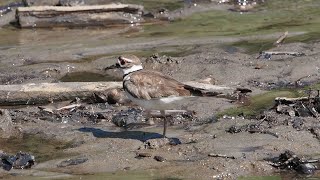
<point>44,93</point>
<point>66,16</point>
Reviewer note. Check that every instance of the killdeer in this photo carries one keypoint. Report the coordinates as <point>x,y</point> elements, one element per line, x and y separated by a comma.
<point>153,90</point>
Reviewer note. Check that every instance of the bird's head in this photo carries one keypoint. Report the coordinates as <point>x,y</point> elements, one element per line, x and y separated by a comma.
<point>129,63</point>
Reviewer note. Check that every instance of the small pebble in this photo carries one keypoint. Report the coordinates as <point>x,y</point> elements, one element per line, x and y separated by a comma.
<point>143,154</point>
<point>159,158</point>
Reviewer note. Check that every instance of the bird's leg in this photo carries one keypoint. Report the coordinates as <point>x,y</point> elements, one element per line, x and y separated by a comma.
<point>149,119</point>
<point>163,113</point>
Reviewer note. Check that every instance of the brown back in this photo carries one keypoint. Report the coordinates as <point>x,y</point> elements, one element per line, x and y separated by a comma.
<point>146,84</point>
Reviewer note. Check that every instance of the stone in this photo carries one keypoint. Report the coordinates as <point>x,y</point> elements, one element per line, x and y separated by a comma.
<point>127,117</point>
<point>159,158</point>
<point>143,154</point>
<point>73,162</point>
<point>21,160</point>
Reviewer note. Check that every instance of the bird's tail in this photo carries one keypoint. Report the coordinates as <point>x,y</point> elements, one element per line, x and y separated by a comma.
<point>195,91</point>
<point>234,95</point>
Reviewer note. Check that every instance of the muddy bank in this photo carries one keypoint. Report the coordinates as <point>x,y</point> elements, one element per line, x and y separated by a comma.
<point>100,146</point>
<point>85,140</point>
<point>108,148</point>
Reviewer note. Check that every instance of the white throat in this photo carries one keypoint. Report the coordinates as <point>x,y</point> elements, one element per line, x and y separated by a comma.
<point>132,69</point>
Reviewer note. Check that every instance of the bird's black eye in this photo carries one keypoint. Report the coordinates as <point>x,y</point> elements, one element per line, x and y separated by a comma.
<point>122,62</point>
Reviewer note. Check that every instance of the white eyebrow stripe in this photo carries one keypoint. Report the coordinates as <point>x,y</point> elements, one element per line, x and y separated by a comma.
<point>126,59</point>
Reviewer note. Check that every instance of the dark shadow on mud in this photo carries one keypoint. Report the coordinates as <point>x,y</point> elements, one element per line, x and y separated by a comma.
<point>138,135</point>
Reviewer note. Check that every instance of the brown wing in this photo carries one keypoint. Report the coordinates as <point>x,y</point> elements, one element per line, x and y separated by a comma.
<point>150,84</point>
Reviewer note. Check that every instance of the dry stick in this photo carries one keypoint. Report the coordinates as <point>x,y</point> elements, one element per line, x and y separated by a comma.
<point>155,113</point>
<point>262,120</point>
<point>264,132</point>
<point>281,38</point>
<point>269,53</point>
<point>69,107</point>
<point>312,111</point>
<point>283,53</point>
<point>310,161</point>
<point>221,155</point>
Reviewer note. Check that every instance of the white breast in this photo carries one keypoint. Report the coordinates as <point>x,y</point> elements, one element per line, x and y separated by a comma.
<point>167,103</point>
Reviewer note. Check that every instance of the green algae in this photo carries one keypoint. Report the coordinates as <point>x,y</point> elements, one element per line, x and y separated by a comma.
<point>305,38</point>
<point>257,45</point>
<point>259,103</point>
<point>271,17</point>
<point>254,46</point>
<point>314,87</point>
<point>264,101</point>
<point>275,16</point>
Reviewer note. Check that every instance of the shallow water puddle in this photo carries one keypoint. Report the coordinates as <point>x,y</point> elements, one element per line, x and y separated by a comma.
<point>170,50</point>
<point>120,175</point>
<point>87,77</point>
<point>126,175</point>
<point>273,17</point>
<point>281,176</point>
<point>43,149</point>
<point>261,178</point>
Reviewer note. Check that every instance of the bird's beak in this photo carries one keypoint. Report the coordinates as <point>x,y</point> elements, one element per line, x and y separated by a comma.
<point>114,66</point>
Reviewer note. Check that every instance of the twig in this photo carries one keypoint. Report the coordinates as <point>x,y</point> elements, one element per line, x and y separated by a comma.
<point>155,113</point>
<point>310,161</point>
<point>281,38</point>
<point>46,109</point>
<point>284,53</point>
<point>69,107</point>
<point>267,54</point>
<point>263,132</point>
<point>261,121</point>
<point>313,112</point>
<point>221,155</point>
